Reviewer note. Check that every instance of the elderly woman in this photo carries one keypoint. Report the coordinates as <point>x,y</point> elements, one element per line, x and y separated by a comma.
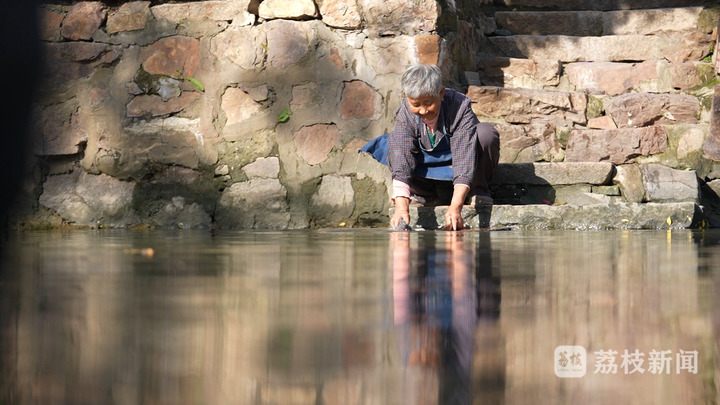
<point>439,153</point>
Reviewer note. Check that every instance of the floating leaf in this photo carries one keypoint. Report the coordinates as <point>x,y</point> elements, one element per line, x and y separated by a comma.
<point>196,83</point>
<point>284,115</point>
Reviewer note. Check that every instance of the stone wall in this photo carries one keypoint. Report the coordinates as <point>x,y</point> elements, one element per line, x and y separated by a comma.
<point>231,113</point>
<point>249,113</point>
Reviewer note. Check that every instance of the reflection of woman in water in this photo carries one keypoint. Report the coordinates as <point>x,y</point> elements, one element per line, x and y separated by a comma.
<point>435,301</point>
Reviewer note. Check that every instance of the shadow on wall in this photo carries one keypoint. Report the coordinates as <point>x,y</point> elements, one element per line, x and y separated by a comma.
<point>221,155</point>
<point>21,59</point>
<point>520,185</point>
<point>20,54</point>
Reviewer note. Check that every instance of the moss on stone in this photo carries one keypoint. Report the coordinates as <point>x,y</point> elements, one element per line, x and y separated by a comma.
<point>371,207</point>
<point>705,92</point>
<point>310,187</point>
<point>595,107</point>
<point>245,151</point>
<point>706,72</point>
<point>145,81</point>
<point>708,18</point>
<point>692,160</point>
<point>563,135</point>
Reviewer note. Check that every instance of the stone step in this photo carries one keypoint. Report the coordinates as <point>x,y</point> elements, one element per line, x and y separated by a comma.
<point>634,110</point>
<point>523,106</point>
<point>601,5</point>
<point>571,109</point>
<point>588,183</point>
<point>678,146</point>
<point>555,184</point>
<point>535,142</point>
<point>592,173</point>
<point>612,48</point>
<point>501,71</point>
<point>598,23</point>
<point>682,215</point>
<point>582,195</point>
<point>655,76</point>
<point>615,145</point>
<point>610,78</point>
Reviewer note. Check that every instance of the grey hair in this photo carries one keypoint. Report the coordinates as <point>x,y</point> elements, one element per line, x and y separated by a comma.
<point>422,80</point>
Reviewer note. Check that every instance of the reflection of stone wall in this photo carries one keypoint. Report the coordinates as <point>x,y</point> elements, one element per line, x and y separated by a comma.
<point>310,318</point>
<point>163,115</point>
<point>643,292</point>
<point>258,320</point>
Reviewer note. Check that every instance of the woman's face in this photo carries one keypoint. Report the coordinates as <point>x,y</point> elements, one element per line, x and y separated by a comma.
<point>427,107</point>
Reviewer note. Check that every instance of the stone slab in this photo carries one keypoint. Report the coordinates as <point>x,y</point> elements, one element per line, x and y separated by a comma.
<point>257,203</point>
<point>664,21</point>
<point>576,23</point>
<point>601,5</point>
<point>399,16</point>
<point>212,10</point>
<point>615,78</point>
<point>87,200</point>
<point>597,23</point>
<point>664,184</point>
<point>685,215</point>
<point>629,180</point>
<point>529,143</point>
<point>615,145</point>
<point>596,173</point>
<point>611,48</point>
<point>522,106</point>
<point>576,194</point>
<point>513,72</point>
<point>633,110</point>
<point>296,9</point>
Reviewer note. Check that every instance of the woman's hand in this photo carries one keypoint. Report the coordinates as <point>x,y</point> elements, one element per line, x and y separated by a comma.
<point>453,215</point>
<point>402,211</point>
<point>453,218</point>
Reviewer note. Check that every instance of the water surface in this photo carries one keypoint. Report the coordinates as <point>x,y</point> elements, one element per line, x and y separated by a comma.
<point>359,317</point>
